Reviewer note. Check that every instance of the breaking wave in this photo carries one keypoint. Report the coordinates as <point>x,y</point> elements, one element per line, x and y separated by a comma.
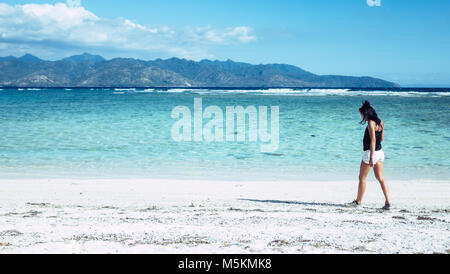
<point>124,89</point>
<point>409,92</point>
<point>314,92</point>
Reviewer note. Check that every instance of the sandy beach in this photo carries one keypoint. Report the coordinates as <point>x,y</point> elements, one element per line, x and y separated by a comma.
<point>162,216</point>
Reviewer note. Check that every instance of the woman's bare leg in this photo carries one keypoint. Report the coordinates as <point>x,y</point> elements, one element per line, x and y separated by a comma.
<point>363,171</point>
<point>378,170</point>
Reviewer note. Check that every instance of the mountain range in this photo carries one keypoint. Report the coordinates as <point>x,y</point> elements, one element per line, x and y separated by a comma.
<point>88,70</point>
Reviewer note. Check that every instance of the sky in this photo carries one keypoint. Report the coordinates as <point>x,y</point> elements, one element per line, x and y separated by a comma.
<point>407,41</point>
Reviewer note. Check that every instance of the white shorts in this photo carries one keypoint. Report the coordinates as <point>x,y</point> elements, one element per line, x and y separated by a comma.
<point>378,156</point>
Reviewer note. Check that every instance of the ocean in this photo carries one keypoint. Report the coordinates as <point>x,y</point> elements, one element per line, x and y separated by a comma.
<point>126,133</point>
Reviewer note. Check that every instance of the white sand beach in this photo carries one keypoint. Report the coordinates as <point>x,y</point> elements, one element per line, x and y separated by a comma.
<point>156,216</point>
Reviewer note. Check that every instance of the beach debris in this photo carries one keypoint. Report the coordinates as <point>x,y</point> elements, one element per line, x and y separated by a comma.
<point>196,205</point>
<point>31,213</point>
<point>109,207</point>
<point>102,237</point>
<point>441,211</point>
<point>39,204</point>
<point>427,218</point>
<point>357,222</point>
<point>187,240</point>
<point>279,243</point>
<point>150,208</point>
<point>362,249</point>
<point>10,233</point>
<point>245,210</point>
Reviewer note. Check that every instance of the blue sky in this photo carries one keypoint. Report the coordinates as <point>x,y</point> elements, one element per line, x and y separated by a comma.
<point>403,41</point>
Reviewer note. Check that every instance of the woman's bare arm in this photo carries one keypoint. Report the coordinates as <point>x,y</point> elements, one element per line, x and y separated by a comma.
<point>382,134</point>
<point>373,140</point>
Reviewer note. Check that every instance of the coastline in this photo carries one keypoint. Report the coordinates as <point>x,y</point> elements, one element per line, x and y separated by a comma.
<point>170,216</point>
<point>234,129</point>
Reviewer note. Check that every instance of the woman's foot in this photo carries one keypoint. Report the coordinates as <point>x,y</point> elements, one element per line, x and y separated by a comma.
<point>353,204</point>
<point>387,206</point>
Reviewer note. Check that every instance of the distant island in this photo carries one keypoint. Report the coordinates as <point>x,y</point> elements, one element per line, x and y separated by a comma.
<point>88,70</point>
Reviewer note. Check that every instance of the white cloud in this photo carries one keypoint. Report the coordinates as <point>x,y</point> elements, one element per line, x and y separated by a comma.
<point>74,3</point>
<point>65,25</point>
<point>210,35</point>
<point>374,3</point>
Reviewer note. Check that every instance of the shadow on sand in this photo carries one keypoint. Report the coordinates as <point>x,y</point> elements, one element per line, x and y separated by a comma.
<point>293,203</point>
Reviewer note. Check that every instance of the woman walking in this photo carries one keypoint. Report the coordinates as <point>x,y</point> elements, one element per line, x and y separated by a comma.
<point>373,153</point>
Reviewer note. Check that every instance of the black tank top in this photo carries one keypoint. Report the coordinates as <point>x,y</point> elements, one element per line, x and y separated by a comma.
<point>367,140</point>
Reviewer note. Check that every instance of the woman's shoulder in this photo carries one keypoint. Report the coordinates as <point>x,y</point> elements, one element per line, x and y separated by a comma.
<point>371,123</point>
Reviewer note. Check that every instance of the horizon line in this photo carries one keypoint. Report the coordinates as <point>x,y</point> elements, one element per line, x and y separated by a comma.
<point>401,88</point>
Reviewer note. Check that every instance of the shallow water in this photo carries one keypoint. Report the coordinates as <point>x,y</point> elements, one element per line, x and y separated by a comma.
<point>127,133</point>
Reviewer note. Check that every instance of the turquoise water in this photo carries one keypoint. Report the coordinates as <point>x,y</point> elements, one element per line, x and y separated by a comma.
<point>127,133</point>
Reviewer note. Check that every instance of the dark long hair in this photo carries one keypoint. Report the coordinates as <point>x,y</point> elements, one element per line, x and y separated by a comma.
<point>369,113</point>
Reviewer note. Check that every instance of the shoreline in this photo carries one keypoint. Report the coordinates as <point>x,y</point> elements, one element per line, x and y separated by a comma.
<point>232,88</point>
<point>192,216</point>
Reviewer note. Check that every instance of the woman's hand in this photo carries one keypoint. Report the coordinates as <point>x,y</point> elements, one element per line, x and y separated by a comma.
<point>371,163</point>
